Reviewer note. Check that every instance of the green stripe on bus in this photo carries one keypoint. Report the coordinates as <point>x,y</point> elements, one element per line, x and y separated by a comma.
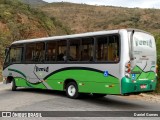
<point>17,71</point>
<point>143,74</point>
<point>88,81</point>
<point>21,82</point>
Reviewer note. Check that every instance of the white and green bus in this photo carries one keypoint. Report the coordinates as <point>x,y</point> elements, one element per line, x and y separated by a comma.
<point>117,62</point>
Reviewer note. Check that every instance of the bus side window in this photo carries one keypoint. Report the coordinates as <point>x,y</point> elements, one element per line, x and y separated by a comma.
<point>102,48</point>
<point>87,49</point>
<point>39,52</point>
<point>51,51</point>
<point>113,48</point>
<point>74,50</point>
<point>35,52</point>
<point>30,51</point>
<point>15,55</point>
<point>62,50</point>
<point>107,48</point>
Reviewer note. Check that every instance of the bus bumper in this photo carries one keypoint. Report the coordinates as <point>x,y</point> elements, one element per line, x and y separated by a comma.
<point>129,86</point>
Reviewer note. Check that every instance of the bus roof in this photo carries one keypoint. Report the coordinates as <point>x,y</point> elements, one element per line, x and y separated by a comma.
<point>73,36</point>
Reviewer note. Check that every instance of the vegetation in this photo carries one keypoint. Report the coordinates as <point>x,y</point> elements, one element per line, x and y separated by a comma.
<point>158,84</point>
<point>34,3</point>
<point>158,61</point>
<point>20,21</point>
<point>85,18</point>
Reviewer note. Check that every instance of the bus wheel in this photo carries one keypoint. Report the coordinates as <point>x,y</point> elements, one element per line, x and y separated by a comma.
<point>13,85</point>
<point>72,90</point>
<point>97,95</point>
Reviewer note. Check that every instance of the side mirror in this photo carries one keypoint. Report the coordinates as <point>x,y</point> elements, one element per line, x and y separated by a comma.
<point>6,51</point>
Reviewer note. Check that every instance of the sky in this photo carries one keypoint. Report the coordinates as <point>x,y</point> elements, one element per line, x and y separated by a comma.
<point>122,3</point>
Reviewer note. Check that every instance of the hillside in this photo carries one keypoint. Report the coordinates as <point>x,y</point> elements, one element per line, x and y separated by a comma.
<point>84,18</point>
<point>34,2</point>
<point>20,21</point>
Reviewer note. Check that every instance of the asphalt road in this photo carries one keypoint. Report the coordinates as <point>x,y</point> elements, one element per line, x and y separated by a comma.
<point>26,99</point>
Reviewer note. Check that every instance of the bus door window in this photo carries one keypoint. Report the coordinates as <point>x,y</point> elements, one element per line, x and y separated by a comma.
<point>62,50</point>
<point>87,49</point>
<point>74,50</point>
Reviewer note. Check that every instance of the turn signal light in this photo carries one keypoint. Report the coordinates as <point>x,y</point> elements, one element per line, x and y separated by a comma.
<point>128,68</point>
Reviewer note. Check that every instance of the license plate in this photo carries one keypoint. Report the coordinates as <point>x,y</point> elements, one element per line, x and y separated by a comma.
<point>143,86</point>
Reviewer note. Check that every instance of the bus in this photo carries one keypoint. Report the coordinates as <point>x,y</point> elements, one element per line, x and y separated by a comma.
<point>116,62</point>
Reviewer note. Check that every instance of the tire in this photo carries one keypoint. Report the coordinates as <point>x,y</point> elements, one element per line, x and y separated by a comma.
<point>14,87</point>
<point>72,90</point>
<point>97,95</point>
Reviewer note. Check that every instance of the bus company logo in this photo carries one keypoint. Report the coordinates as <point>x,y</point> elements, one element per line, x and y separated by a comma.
<point>38,69</point>
<point>144,43</point>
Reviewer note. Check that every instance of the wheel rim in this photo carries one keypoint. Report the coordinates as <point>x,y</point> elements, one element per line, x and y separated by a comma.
<point>71,90</point>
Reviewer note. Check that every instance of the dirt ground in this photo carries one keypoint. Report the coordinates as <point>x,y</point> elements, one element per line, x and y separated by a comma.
<point>145,97</point>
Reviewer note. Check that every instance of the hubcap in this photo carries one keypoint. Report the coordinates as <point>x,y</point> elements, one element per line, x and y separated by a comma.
<point>71,90</point>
